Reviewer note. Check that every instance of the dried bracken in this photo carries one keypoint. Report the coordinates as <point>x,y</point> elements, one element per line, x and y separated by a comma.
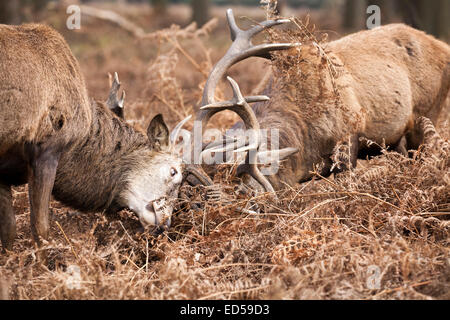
<point>327,239</point>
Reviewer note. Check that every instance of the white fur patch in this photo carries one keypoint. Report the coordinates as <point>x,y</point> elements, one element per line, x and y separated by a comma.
<point>153,188</point>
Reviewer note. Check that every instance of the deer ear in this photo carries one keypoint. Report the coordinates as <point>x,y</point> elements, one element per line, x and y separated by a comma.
<point>158,133</point>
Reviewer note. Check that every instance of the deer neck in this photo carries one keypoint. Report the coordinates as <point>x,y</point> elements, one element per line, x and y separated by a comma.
<point>92,172</point>
<point>295,129</point>
<point>292,131</point>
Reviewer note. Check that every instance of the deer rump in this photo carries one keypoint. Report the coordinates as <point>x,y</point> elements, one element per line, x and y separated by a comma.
<point>374,84</point>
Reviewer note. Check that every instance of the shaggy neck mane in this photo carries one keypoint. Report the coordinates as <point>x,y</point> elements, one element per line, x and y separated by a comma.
<point>302,109</point>
<point>91,173</point>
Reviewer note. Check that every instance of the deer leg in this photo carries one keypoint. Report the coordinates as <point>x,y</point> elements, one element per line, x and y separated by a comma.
<point>7,218</point>
<point>42,171</point>
<point>354,149</point>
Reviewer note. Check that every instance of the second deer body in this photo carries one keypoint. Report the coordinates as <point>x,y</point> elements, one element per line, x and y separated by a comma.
<point>373,84</point>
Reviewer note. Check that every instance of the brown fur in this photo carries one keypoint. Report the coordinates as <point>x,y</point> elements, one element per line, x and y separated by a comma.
<point>41,88</point>
<point>51,133</point>
<point>385,79</point>
<point>111,149</point>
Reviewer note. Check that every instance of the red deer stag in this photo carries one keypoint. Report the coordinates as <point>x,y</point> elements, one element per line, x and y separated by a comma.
<point>59,142</point>
<point>386,79</point>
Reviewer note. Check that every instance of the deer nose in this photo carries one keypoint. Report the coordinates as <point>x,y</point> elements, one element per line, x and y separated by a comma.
<point>162,218</point>
<point>162,227</point>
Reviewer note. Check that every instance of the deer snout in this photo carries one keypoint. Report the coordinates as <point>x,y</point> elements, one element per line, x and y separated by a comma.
<point>162,213</point>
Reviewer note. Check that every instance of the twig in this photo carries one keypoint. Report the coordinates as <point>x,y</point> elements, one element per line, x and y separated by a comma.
<point>177,45</point>
<point>129,237</point>
<point>319,205</point>
<point>114,18</point>
<point>67,239</point>
<point>168,105</point>
<point>414,285</point>
<point>237,265</point>
<point>233,292</point>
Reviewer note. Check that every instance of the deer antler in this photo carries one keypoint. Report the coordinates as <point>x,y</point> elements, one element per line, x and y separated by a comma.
<point>240,105</point>
<point>242,48</point>
<point>113,104</point>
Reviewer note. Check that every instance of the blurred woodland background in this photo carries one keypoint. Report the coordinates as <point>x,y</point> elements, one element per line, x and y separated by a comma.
<point>430,16</point>
<point>103,47</point>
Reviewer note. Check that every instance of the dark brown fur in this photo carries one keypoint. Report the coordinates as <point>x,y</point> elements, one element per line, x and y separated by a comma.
<point>50,133</point>
<point>110,150</point>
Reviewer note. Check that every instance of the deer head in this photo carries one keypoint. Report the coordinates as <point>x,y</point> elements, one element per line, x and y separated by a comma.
<point>154,182</point>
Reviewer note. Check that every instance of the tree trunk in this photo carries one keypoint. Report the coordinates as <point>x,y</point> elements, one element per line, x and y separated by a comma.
<point>426,16</point>
<point>355,14</point>
<point>159,6</point>
<point>200,11</point>
<point>39,5</point>
<point>10,12</point>
<point>442,22</point>
<point>432,17</point>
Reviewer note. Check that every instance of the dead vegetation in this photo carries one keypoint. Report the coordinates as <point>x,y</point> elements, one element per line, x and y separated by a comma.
<point>380,231</point>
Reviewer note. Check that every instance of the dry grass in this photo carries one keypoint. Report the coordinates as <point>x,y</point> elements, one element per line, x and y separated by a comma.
<point>326,239</point>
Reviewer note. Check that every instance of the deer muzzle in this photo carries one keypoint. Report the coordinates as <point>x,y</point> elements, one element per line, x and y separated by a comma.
<point>162,211</point>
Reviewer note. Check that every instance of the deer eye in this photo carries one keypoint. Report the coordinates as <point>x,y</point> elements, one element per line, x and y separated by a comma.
<point>173,172</point>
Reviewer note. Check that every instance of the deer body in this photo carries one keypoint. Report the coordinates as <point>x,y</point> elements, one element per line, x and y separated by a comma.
<point>373,84</point>
<point>386,79</point>
<point>58,141</point>
<point>41,85</point>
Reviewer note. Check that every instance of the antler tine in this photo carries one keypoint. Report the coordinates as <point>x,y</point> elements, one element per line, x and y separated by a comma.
<point>239,105</point>
<point>113,104</point>
<point>268,157</point>
<point>177,130</point>
<point>231,144</point>
<point>241,48</point>
<point>234,29</point>
<point>115,86</point>
<point>199,175</point>
<point>265,25</point>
